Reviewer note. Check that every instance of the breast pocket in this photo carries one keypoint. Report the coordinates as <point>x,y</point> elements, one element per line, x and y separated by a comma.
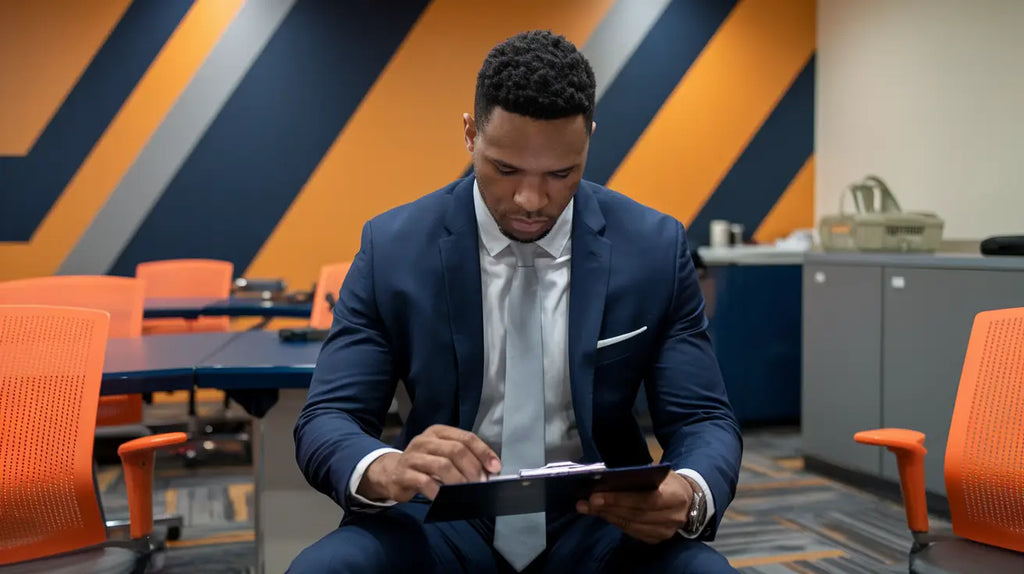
<point>617,347</point>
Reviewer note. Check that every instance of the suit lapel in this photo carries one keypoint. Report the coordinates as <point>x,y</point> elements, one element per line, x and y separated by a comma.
<point>588,285</point>
<point>460,257</point>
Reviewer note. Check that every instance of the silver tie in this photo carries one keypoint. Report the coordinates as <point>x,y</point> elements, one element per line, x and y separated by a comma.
<point>520,538</point>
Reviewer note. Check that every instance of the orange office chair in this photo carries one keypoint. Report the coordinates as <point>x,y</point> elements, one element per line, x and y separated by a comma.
<point>174,278</point>
<point>984,465</point>
<point>121,297</point>
<point>50,516</point>
<point>329,283</point>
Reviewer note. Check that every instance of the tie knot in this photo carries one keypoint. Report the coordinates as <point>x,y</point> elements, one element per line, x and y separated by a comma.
<point>525,253</point>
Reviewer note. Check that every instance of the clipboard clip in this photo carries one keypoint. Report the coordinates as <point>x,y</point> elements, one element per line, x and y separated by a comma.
<point>560,468</point>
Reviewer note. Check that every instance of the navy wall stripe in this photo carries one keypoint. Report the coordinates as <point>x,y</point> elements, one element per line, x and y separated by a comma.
<point>766,167</point>
<point>646,81</point>
<point>30,185</point>
<point>247,169</point>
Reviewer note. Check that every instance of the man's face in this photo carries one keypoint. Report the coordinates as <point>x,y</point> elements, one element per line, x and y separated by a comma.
<point>527,169</point>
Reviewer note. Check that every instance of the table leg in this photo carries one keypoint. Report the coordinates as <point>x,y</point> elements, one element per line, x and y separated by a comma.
<point>290,514</point>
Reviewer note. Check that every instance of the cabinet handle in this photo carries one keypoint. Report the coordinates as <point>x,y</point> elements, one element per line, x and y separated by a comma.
<point>898,282</point>
<point>819,276</point>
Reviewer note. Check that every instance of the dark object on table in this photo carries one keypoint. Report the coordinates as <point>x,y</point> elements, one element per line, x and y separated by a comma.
<point>303,334</point>
<point>260,288</point>
<point>1003,245</point>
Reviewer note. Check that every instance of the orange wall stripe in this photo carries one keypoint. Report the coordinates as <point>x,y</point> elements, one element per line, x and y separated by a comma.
<point>122,141</point>
<point>45,45</point>
<point>405,139</point>
<point>718,106</point>
<point>794,210</point>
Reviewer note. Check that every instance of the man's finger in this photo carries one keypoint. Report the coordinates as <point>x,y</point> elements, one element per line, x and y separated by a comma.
<point>438,467</point>
<point>475,444</point>
<point>652,500</point>
<point>648,533</point>
<point>461,457</point>
<point>674,516</point>
<point>416,481</point>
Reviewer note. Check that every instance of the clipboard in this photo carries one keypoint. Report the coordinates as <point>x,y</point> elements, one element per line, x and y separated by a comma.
<point>552,488</point>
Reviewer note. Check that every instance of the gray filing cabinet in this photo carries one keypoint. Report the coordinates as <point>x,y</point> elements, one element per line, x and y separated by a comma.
<point>842,385</point>
<point>884,342</point>
<point>927,321</point>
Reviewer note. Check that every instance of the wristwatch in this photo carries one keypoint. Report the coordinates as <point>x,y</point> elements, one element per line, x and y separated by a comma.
<point>698,509</point>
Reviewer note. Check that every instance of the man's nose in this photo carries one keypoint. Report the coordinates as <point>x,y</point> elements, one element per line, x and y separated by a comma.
<point>531,196</point>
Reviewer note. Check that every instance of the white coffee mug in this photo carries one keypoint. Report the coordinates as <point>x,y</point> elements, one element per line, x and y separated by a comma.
<point>719,233</point>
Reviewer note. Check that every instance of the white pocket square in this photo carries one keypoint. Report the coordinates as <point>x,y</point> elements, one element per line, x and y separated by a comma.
<point>620,338</point>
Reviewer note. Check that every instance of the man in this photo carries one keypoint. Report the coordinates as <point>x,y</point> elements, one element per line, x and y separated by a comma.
<point>521,308</point>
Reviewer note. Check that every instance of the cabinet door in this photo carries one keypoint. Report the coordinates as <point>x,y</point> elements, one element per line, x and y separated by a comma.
<point>927,322</point>
<point>842,326</point>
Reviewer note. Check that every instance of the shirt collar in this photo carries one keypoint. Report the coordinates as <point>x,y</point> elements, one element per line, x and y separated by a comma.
<point>495,242</point>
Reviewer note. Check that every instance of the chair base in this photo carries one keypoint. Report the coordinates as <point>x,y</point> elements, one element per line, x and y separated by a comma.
<point>950,554</point>
<point>113,556</point>
<point>119,529</point>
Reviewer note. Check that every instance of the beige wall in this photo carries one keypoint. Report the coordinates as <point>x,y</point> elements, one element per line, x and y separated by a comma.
<point>929,95</point>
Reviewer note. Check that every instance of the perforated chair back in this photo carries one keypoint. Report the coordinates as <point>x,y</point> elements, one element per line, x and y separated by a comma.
<point>178,278</point>
<point>331,278</point>
<point>121,297</point>
<point>49,386</point>
<point>984,467</point>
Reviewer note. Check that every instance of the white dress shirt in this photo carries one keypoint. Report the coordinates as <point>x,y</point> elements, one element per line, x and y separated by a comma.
<point>497,265</point>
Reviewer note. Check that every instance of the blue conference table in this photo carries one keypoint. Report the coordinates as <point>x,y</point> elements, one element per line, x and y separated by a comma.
<point>157,363</point>
<point>194,307</point>
<point>269,378</point>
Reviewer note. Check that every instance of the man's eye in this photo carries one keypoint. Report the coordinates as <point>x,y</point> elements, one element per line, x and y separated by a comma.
<point>506,171</point>
<point>561,174</point>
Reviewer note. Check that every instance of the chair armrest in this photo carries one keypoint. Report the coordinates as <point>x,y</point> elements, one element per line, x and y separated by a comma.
<point>137,460</point>
<point>908,446</point>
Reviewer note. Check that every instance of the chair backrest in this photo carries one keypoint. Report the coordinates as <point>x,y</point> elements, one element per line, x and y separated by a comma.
<point>984,466</point>
<point>49,388</point>
<point>331,278</point>
<point>121,297</point>
<point>172,278</point>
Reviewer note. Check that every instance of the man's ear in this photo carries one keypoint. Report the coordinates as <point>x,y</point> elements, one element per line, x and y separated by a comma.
<point>593,127</point>
<point>469,131</point>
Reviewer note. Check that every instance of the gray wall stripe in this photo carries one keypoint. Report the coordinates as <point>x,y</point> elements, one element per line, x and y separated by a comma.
<point>618,35</point>
<point>162,157</point>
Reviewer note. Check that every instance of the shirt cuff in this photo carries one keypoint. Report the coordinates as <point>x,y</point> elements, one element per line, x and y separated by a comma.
<point>709,500</point>
<point>357,477</point>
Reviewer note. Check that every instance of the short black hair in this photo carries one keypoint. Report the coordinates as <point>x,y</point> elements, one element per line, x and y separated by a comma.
<point>536,74</point>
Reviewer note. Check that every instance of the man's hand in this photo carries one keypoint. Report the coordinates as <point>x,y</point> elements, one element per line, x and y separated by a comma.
<point>647,516</point>
<point>441,455</point>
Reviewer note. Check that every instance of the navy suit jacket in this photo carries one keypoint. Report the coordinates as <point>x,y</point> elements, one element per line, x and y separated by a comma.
<point>410,310</point>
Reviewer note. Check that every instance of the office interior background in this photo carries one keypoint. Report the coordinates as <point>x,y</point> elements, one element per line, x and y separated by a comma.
<point>264,133</point>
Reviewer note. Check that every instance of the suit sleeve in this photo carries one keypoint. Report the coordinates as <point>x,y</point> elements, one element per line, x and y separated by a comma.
<point>693,420</point>
<point>352,387</point>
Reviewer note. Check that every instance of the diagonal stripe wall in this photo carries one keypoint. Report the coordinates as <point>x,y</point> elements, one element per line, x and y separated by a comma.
<point>32,183</point>
<point>721,103</point>
<point>279,126</point>
<point>113,154</point>
<point>272,132</point>
<point>769,163</point>
<point>415,141</point>
<point>164,156</point>
<point>44,48</point>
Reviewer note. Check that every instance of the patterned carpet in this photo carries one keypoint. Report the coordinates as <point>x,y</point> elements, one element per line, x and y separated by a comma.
<point>783,520</point>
